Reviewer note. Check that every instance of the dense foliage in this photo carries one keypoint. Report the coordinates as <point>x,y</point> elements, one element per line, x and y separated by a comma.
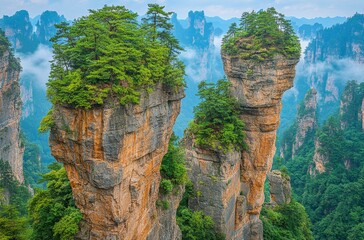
<point>52,212</point>
<point>286,222</point>
<point>261,35</point>
<point>108,54</point>
<point>13,226</point>
<point>334,199</point>
<point>195,225</point>
<point>173,168</point>
<point>217,124</point>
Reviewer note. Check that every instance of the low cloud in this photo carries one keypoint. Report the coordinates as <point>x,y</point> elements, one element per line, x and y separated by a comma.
<point>37,65</point>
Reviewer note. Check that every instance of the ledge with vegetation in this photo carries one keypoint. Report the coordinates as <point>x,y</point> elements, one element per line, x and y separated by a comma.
<point>107,53</point>
<point>261,36</point>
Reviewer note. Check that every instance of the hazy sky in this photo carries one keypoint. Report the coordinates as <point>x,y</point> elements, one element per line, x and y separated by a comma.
<point>223,8</point>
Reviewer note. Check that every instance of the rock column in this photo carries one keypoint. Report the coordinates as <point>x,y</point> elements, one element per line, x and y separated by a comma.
<point>112,155</point>
<point>258,87</point>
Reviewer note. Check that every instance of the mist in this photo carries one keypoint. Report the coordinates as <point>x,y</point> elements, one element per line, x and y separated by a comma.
<point>37,65</point>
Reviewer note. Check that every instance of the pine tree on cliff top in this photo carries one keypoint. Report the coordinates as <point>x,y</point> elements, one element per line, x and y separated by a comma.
<point>261,35</point>
<point>108,54</point>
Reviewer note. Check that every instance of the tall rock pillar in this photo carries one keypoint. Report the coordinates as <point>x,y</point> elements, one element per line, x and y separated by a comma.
<point>258,87</point>
<point>11,149</point>
<point>112,155</point>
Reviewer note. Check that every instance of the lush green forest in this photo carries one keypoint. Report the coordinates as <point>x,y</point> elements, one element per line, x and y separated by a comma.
<point>333,198</point>
<point>262,35</point>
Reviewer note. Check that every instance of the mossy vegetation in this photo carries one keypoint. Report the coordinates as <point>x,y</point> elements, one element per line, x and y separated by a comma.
<point>108,54</point>
<point>262,35</point>
<point>217,125</point>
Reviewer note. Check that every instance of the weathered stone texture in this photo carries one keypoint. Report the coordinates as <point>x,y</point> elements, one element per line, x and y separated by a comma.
<point>112,155</point>
<point>280,188</point>
<point>258,87</point>
<point>216,179</point>
<point>11,149</point>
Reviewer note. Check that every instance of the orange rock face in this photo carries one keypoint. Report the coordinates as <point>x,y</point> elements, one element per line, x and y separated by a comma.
<point>258,87</point>
<point>230,186</point>
<point>112,155</point>
<point>11,149</point>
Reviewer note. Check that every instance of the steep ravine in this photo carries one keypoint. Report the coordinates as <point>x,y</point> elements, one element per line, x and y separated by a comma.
<point>112,155</point>
<point>11,149</point>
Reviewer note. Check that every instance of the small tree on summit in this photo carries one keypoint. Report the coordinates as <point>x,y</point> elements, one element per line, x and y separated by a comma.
<point>159,28</point>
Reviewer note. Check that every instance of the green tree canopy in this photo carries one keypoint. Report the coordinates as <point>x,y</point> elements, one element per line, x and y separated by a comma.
<point>52,212</point>
<point>217,124</point>
<point>107,54</point>
<point>261,35</point>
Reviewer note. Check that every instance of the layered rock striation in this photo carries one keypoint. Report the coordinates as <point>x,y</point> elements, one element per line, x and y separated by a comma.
<point>230,185</point>
<point>216,179</point>
<point>11,149</point>
<point>258,87</point>
<point>112,155</point>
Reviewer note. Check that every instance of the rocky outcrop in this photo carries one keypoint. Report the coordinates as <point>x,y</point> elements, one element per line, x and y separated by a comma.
<point>167,229</point>
<point>112,155</point>
<point>230,186</point>
<point>280,188</point>
<point>11,149</point>
<point>258,87</point>
<point>306,120</point>
<point>216,179</point>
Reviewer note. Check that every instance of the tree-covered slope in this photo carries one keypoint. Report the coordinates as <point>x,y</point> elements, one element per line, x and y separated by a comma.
<point>328,171</point>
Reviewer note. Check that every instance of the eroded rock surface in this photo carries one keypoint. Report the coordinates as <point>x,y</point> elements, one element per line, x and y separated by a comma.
<point>11,149</point>
<point>280,188</point>
<point>112,155</point>
<point>230,186</point>
<point>216,179</point>
<point>258,87</point>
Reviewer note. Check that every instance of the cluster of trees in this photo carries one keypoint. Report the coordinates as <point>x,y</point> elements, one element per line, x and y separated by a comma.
<point>50,213</point>
<point>334,199</point>
<point>217,125</point>
<point>261,35</point>
<point>108,54</point>
<point>286,222</point>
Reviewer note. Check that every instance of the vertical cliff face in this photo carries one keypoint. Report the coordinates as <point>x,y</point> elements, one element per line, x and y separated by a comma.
<point>112,156</point>
<point>216,179</point>
<point>11,149</point>
<point>258,87</point>
<point>306,120</point>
